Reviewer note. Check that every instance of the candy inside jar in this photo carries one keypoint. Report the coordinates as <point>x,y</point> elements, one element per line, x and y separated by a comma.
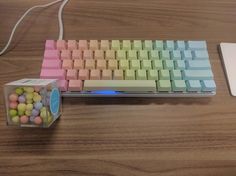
<point>32,104</point>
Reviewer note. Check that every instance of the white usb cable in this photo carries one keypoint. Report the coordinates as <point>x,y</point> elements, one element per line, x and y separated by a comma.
<point>28,11</point>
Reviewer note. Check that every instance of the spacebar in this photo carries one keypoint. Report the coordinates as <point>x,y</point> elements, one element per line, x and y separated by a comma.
<point>120,85</point>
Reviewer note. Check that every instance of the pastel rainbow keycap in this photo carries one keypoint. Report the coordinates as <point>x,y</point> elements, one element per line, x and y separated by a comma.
<point>129,67</point>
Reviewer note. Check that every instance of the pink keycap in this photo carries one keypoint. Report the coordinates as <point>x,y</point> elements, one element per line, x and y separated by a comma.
<point>75,85</point>
<point>67,64</point>
<point>71,74</point>
<point>78,64</point>
<point>76,54</point>
<point>72,45</point>
<point>51,54</point>
<point>95,74</point>
<point>101,64</point>
<point>65,54</point>
<point>83,44</point>
<point>88,54</point>
<point>50,45</point>
<point>56,63</point>
<point>62,84</point>
<point>83,74</point>
<point>53,74</point>
<point>61,44</point>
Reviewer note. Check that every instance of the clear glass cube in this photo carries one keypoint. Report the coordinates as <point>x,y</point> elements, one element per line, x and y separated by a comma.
<point>32,102</point>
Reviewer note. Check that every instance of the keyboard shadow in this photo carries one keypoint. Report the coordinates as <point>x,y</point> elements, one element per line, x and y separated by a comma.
<point>135,101</point>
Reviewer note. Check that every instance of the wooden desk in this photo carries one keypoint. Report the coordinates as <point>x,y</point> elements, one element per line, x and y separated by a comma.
<point>122,136</point>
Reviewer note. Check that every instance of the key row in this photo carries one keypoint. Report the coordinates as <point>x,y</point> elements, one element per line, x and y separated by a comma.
<point>96,74</point>
<point>130,54</point>
<point>139,85</point>
<point>127,64</point>
<point>125,44</point>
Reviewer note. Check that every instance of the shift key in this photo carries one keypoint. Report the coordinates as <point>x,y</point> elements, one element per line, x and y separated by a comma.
<point>197,74</point>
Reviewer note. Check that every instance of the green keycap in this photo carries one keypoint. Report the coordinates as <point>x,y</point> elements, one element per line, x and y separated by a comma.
<point>159,45</point>
<point>132,54</point>
<point>141,75</point>
<point>169,45</point>
<point>129,75</point>
<point>197,74</point>
<point>200,54</point>
<point>157,64</point>
<point>198,64</point>
<point>180,45</point>
<point>124,64</point>
<point>165,54</point>
<point>143,54</point>
<point>152,74</point>
<point>146,64</point>
<point>164,85</point>
<point>115,44</point>
<point>147,45</point>
<point>164,74</point>
<point>120,54</point>
<point>175,75</point>
<point>187,54</point>
<point>179,85</point>
<point>196,45</point>
<point>134,64</point>
<point>180,64</point>
<point>137,45</point>
<point>193,85</point>
<point>154,54</point>
<point>176,55</point>
<point>126,45</point>
<point>168,64</point>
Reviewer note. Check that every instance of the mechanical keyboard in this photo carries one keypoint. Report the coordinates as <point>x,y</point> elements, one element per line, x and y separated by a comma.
<point>129,68</point>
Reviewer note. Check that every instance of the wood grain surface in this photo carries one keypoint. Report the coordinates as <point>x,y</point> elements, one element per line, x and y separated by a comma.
<point>122,136</point>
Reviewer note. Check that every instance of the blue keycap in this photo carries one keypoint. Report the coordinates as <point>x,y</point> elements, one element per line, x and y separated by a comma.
<point>165,54</point>
<point>208,85</point>
<point>196,45</point>
<point>198,64</point>
<point>180,45</point>
<point>187,54</point>
<point>200,54</point>
<point>169,45</point>
<point>197,74</point>
<point>194,85</point>
<point>175,55</point>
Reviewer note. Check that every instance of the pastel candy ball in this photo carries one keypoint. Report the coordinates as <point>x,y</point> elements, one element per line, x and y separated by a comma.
<point>37,98</point>
<point>35,112</point>
<point>13,105</point>
<point>32,118</point>
<point>38,120</point>
<point>15,119</point>
<point>38,105</point>
<point>24,119</point>
<point>21,99</point>
<point>29,107</point>
<point>12,112</point>
<point>20,113</point>
<point>29,89</point>
<point>43,109</point>
<point>19,91</point>
<point>43,114</point>
<point>30,101</point>
<point>29,96</point>
<point>28,112</point>
<point>13,97</point>
<point>21,107</point>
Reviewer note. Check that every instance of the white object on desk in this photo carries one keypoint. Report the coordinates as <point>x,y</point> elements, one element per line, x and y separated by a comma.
<point>228,52</point>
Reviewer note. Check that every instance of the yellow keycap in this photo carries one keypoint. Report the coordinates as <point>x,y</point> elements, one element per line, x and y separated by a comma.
<point>143,54</point>
<point>147,45</point>
<point>107,74</point>
<point>152,74</point>
<point>120,54</point>
<point>99,54</point>
<point>115,44</point>
<point>112,64</point>
<point>105,45</point>
<point>129,75</point>
<point>118,75</point>
<point>110,54</point>
<point>146,64</point>
<point>137,45</point>
<point>135,64</point>
<point>126,45</point>
<point>132,54</point>
<point>90,64</point>
<point>101,64</point>
<point>141,75</point>
<point>124,64</point>
<point>93,44</point>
